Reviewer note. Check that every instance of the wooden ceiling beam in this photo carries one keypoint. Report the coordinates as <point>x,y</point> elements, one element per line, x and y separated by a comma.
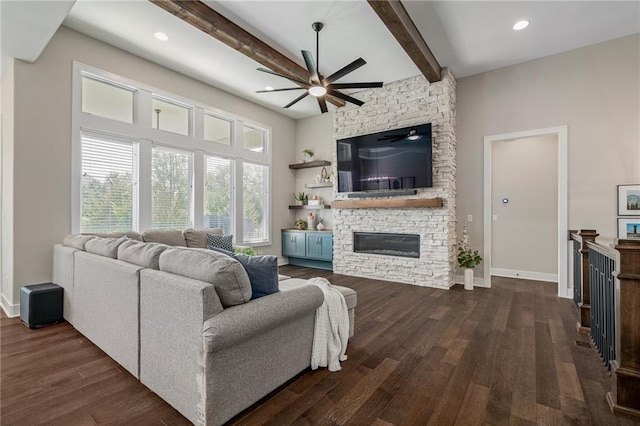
<point>397,20</point>
<point>202,17</point>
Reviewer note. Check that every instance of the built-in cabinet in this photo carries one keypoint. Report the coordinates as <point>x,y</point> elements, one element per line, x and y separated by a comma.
<point>312,249</point>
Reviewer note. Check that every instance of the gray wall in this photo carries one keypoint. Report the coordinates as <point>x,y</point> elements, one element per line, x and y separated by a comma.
<point>41,182</point>
<point>525,234</point>
<point>595,91</point>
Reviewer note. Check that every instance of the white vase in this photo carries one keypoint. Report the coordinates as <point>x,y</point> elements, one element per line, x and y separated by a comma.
<point>468,279</point>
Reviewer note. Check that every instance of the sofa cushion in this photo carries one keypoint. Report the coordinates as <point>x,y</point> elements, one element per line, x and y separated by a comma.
<point>133,235</point>
<point>198,237</point>
<point>170,237</point>
<point>263,273</point>
<point>107,247</point>
<point>77,240</point>
<point>225,273</point>
<point>224,242</point>
<point>141,254</point>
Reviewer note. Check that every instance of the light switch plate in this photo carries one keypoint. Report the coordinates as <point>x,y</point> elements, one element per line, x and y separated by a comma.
<point>469,218</point>
<point>495,217</point>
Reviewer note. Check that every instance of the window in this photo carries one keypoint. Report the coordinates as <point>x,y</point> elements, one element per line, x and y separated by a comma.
<point>217,194</point>
<point>217,129</point>
<point>255,180</point>
<point>254,139</point>
<point>171,186</point>
<point>107,100</point>
<point>108,186</point>
<point>170,116</point>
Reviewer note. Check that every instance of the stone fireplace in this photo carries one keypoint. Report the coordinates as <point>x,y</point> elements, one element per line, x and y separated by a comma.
<point>361,245</point>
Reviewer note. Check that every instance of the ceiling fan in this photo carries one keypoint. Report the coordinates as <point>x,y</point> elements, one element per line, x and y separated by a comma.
<point>318,85</point>
<point>411,136</point>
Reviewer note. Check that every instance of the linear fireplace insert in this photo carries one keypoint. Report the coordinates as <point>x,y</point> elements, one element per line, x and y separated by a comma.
<point>403,245</point>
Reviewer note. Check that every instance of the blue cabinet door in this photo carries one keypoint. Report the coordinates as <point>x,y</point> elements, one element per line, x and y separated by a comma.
<point>320,246</point>
<point>293,244</point>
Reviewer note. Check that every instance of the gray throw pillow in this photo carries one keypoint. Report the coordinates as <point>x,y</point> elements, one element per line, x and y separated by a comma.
<point>263,273</point>
<point>224,242</point>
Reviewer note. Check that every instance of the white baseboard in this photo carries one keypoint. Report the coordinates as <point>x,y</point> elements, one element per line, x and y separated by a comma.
<point>524,275</point>
<point>477,281</point>
<point>9,309</point>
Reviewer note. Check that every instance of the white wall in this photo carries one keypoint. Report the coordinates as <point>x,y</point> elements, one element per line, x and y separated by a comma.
<point>525,235</point>
<point>315,133</point>
<point>42,185</point>
<point>6,221</point>
<point>593,90</point>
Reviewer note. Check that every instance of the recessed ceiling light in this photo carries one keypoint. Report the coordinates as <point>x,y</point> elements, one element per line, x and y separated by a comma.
<point>161,36</point>
<point>521,25</point>
<point>317,91</point>
<point>268,88</point>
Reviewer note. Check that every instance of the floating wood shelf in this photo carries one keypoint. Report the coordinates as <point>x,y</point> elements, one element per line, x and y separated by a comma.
<point>320,207</point>
<point>411,203</point>
<point>319,185</point>
<point>310,164</point>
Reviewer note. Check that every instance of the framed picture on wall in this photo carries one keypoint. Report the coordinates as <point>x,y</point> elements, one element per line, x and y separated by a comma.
<point>629,228</point>
<point>629,200</point>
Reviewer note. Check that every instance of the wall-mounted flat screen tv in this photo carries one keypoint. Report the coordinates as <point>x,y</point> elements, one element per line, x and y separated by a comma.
<point>391,160</point>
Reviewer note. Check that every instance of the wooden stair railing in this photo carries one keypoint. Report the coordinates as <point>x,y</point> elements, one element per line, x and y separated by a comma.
<point>584,307</point>
<point>626,398</point>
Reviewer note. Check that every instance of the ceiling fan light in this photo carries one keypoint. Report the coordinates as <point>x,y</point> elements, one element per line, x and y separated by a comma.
<point>317,91</point>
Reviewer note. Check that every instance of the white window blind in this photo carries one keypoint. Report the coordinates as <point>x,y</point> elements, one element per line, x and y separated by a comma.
<point>172,188</point>
<point>108,185</point>
<point>217,194</point>
<point>255,182</point>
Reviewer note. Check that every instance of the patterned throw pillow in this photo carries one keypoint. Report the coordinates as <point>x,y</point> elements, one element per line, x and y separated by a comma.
<point>224,242</point>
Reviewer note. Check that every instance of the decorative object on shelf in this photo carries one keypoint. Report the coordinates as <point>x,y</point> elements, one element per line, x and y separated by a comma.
<point>300,224</point>
<point>629,228</point>
<point>332,177</point>
<point>318,179</point>
<point>311,221</point>
<point>300,197</point>
<point>324,175</point>
<point>467,259</point>
<point>320,225</point>
<point>629,200</point>
<point>308,155</point>
<point>315,201</point>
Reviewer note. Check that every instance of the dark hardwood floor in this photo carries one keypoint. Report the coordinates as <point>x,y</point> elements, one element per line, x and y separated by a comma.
<point>505,355</point>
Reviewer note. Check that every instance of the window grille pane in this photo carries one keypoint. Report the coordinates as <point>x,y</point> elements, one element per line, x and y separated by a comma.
<point>255,183</point>
<point>171,186</point>
<point>217,194</point>
<point>107,100</point>
<point>254,139</point>
<point>169,116</point>
<point>107,185</point>
<point>217,129</point>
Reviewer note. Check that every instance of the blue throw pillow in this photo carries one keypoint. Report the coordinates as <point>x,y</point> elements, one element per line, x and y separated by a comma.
<point>219,250</point>
<point>224,242</point>
<point>263,273</point>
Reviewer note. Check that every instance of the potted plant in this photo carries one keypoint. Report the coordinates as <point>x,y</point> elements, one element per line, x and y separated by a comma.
<point>308,155</point>
<point>300,198</point>
<point>467,259</point>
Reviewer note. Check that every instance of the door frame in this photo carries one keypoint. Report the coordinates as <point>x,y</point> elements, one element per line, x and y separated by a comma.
<point>563,197</point>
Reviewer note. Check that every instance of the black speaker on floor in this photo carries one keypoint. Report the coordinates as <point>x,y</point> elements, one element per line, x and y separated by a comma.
<point>41,304</point>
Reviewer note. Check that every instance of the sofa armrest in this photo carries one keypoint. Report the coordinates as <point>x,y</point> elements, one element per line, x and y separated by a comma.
<point>239,323</point>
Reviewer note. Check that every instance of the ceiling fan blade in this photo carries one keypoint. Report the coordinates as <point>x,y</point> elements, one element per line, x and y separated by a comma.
<point>299,98</point>
<point>345,97</point>
<point>311,66</point>
<point>281,90</point>
<point>323,104</point>
<point>344,71</point>
<point>356,85</point>
<point>302,83</point>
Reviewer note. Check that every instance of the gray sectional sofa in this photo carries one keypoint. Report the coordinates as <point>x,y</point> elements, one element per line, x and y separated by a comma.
<point>179,318</point>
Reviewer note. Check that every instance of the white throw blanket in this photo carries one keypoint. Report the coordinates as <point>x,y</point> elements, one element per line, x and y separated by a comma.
<point>331,331</point>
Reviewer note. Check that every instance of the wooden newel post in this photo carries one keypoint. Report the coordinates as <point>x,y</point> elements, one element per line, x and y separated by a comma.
<point>626,399</point>
<point>584,325</point>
